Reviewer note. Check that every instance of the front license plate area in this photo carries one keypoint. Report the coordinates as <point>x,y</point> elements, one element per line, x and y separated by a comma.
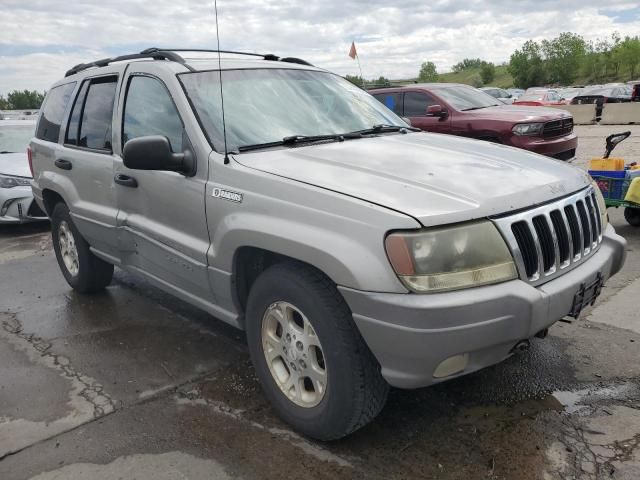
<point>586,295</point>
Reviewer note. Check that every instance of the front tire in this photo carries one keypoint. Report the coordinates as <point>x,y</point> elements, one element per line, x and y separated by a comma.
<point>632,216</point>
<point>311,361</point>
<point>82,270</point>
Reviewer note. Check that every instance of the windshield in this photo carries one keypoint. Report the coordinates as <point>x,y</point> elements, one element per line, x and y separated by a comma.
<point>15,138</point>
<point>466,98</point>
<point>267,105</point>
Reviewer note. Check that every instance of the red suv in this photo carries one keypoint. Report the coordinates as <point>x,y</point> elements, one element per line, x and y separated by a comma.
<point>466,111</point>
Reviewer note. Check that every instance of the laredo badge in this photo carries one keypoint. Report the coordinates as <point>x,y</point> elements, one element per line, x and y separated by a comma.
<point>227,195</point>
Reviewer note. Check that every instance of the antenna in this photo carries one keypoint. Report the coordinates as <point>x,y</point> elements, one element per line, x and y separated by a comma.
<point>224,125</point>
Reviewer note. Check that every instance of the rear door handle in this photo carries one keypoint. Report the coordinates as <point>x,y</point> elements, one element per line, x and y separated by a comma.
<point>63,164</point>
<point>125,180</point>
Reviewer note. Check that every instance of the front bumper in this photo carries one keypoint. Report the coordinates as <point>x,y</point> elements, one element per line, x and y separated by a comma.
<point>18,206</point>
<point>558,147</point>
<point>411,334</point>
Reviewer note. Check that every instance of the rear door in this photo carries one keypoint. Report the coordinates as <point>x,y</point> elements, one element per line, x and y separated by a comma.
<point>161,219</point>
<point>87,160</point>
<point>415,108</point>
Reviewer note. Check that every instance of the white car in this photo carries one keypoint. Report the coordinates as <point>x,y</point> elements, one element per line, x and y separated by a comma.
<point>16,199</point>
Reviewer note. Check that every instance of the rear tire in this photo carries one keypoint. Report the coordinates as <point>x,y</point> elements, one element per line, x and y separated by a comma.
<point>288,300</point>
<point>632,216</point>
<point>82,270</point>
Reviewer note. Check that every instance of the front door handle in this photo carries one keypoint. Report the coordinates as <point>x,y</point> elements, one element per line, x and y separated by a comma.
<point>125,180</point>
<point>63,164</point>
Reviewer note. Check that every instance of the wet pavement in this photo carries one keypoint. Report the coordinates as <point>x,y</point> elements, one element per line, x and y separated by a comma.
<point>133,383</point>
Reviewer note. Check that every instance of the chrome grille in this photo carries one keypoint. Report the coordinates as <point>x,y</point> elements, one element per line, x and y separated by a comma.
<point>549,240</point>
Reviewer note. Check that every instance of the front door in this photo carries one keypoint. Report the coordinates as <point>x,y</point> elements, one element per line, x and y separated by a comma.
<point>415,108</point>
<point>161,218</point>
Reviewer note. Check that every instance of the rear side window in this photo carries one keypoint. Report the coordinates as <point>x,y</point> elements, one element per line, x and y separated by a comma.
<point>73,129</point>
<point>393,101</point>
<point>53,112</point>
<point>149,110</point>
<point>97,114</point>
<point>415,104</point>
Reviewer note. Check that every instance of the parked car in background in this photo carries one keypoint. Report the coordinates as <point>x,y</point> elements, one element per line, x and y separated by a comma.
<point>540,98</point>
<point>568,94</point>
<point>515,92</point>
<point>600,96</point>
<point>468,112</point>
<point>499,93</point>
<point>16,199</point>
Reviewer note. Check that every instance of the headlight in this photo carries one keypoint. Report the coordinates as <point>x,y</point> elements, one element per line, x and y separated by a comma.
<point>528,128</point>
<point>7,181</point>
<point>602,206</point>
<point>450,258</point>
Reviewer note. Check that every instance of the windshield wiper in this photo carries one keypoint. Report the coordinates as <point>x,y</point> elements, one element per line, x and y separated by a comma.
<point>385,128</point>
<point>295,139</point>
<point>5,151</point>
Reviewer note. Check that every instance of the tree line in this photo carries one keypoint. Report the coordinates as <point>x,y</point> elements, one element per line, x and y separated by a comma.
<point>22,100</point>
<point>559,61</point>
<point>567,57</point>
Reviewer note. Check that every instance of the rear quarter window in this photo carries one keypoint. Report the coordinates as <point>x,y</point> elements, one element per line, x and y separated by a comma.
<point>53,112</point>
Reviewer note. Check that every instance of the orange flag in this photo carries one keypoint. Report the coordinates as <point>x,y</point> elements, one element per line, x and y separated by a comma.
<point>352,51</point>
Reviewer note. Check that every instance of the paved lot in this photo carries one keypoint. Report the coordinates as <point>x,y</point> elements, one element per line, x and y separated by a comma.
<point>132,383</point>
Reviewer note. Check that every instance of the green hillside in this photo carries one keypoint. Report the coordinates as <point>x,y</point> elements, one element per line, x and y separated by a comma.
<point>472,75</point>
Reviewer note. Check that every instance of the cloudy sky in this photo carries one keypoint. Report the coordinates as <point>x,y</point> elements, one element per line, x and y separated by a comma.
<point>40,39</point>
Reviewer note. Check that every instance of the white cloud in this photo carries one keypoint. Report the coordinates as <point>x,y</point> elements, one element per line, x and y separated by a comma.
<point>43,38</point>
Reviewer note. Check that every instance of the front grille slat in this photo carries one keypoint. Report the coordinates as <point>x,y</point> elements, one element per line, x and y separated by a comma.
<point>546,242</point>
<point>562,237</point>
<point>586,226</point>
<point>549,240</point>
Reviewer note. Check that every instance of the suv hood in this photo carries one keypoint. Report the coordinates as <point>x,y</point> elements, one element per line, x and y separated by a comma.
<point>15,164</point>
<point>518,114</point>
<point>434,178</point>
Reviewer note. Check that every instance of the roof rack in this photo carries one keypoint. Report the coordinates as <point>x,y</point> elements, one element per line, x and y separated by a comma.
<point>265,56</point>
<point>171,55</point>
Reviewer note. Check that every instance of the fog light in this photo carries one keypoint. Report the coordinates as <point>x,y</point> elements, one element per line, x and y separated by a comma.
<point>5,207</point>
<point>451,366</point>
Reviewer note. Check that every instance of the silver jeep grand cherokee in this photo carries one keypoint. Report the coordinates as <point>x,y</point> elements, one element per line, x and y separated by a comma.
<point>354,251</point>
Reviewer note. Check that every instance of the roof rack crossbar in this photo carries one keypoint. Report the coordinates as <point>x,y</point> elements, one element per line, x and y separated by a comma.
<point>155,54</point>
<point>265,56</point>
<point>171,55</point>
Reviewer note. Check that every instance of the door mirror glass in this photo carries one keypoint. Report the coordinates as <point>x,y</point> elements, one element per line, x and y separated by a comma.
<point>436,111</point>
<point>153,152</point>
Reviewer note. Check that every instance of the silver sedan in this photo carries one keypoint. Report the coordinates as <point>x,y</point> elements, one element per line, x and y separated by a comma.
<point>16,199</point>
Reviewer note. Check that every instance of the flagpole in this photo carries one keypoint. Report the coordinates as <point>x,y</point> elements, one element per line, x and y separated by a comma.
<point>360,68</point>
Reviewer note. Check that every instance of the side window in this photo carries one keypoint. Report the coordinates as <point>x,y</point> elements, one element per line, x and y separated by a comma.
<point>53,112</point>
<point>73,128</point>
<point>415,104</point>
<point>393,101</point>
<point>149,110</point>
<point>97,114</point>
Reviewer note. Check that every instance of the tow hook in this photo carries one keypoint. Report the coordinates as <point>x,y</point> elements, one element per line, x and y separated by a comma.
<point>521,346</point>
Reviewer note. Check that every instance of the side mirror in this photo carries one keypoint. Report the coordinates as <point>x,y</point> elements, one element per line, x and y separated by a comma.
<point>153,152</point>
<point>436,111</point>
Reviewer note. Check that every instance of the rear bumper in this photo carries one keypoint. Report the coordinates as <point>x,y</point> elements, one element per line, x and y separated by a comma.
<point>559,147</point>
<point>411,335</point>
<point>18,206</point>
